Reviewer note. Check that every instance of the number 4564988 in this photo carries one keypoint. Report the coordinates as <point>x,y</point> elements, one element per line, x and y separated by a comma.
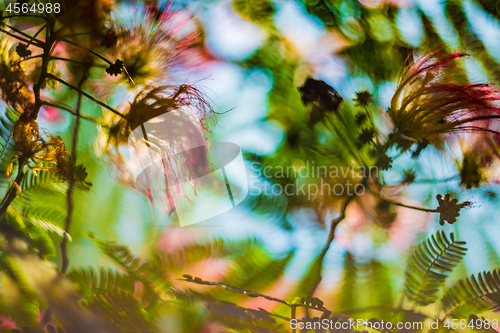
<point>474,324</point>
<point>40,8</point>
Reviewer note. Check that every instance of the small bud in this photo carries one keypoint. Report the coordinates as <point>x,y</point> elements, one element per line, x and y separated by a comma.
<point>448,209</point>
<point>115,69</point>
<point>109,39</point>
<point>470,172</point>
<point>360,118</point>
<point>321,95</point>
<point>23,51</point>
<point>409,177</point>
<point>365,136</point>
<point>384,162</point>
<point>363,98</point>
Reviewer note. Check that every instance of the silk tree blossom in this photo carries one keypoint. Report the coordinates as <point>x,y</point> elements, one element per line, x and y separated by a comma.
<point>161,139</point>
<point>157,44</point>
<point>431,99</point>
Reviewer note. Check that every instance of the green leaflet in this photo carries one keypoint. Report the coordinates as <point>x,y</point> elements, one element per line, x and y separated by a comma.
<point>7,148</point>
<point>431,263</point>
<point>93,282</point>
<point>473,295</point>
<point>256,270</point>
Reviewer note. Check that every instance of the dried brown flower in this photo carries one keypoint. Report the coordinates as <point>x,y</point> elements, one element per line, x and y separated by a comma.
<point>449,209</point>
<point>40,154</point>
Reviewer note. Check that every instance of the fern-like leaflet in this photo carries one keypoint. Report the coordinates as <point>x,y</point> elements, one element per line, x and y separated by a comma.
<point>473,296</point>
<point>32,179</point>
<point>93,282</point>
<point>7,148</point>
<point>430,265</point>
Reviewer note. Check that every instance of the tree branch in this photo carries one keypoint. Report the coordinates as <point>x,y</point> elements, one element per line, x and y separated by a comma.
<point>93,99</point>
<point>331,236</point>
<point>67,109</point>
<point>12,191</point>
<point>71,187</point>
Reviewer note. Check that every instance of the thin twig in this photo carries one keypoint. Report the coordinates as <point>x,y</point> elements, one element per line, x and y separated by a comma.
<point>71,187</point>
<point>29,58</point>
<point>15,36</point>
<point>24,15</point>
<point>31,39</point>
<point>369,115</point>
<point>67,109</point>
<point>344,140</point>
<point>69,197</point>
<point>426,181</point>
<point>427,210</point>
<point>293,315</point>
<point>45,64</point>
<point>36,34</point>
<point>86,49</point>
<point>75,61</point>
<point>331,236</point>
<point>12,191</point>
<point>93,99</point>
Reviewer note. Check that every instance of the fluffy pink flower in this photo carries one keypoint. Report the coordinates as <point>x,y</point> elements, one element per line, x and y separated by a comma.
<point>154,47</point>
<point>163,134</point>
<point>432,98</point>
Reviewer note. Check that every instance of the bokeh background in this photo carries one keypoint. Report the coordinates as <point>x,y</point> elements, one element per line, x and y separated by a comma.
<point>251,57</point>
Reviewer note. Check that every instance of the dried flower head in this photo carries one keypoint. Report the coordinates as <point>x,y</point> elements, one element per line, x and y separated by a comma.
<point>449,209</point>
<point>23,51</point>
<point>478,162</point>
<point>360,118</point>
<point>409,176</point>
<point>384,162</point>
<point>40,153</point>
<point>431,99</point>
<point>365,136</point>
<point>321,95</point>
<point>116,68</point>
<point>363,98</point>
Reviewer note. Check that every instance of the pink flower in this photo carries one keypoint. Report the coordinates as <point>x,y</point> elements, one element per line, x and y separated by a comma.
<point>51,114</point>
<point>154,47</point>
<point>163,132</point>
<point>432,98</point>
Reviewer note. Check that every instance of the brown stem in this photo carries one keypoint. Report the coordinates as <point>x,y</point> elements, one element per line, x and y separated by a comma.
<point>45,63</point>
<point>427,210</point>
<point>93,99</point>
<point>88,50</point>
<point>69,195</point>
<point>293,315</point>
<point>31,39</point>
<point>331,236</point>
<point>69,110</point>
<point>12,192</point>
<point>71,187</point>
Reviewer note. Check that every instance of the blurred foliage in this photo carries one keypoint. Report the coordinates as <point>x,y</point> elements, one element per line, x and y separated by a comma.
<point>89,65</point>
